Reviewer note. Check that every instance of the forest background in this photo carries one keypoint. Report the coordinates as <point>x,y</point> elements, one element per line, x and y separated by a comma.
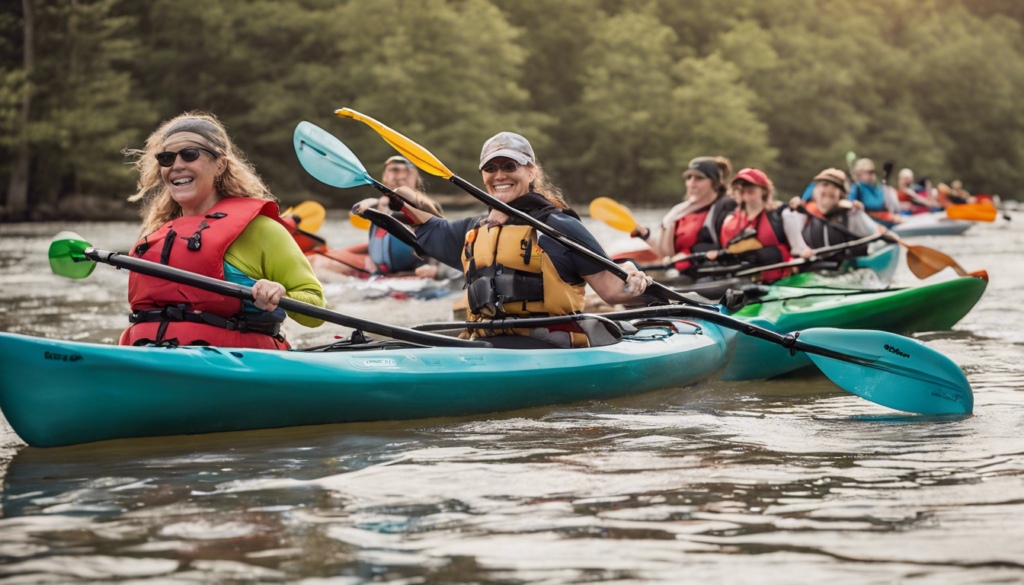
<point>615,96</point>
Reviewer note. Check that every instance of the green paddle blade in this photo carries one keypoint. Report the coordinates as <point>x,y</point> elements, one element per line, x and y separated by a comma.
<point>896,372</point>
<point>851,158</point>
<point>67,258</point>
<point>327,159</point>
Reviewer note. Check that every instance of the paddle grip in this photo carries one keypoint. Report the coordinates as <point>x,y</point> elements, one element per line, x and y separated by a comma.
<point>237,291</point>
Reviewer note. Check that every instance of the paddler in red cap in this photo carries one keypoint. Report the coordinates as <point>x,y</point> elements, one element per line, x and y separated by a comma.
<point>753,233</point>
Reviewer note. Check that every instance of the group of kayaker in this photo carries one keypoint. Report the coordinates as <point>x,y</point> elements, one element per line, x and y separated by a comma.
<point>207,211</point>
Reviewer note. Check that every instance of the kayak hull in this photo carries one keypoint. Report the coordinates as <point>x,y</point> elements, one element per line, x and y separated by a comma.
<point>935,307</point>
<point>932,224</point>
<point>67,393</point>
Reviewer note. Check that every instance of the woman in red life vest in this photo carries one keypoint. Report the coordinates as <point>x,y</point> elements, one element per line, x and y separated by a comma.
<point>695,224</point>
<point>205,210</point>
<point>753,233</point>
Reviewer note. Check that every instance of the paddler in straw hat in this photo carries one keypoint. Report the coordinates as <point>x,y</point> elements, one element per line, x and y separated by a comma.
<point>695,224</point>
<point>841,220</point>
<point>511,270</point>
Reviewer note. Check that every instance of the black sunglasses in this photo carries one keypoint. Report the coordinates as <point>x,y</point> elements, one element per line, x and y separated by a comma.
<point>508,167</point>
<point>166,159</point>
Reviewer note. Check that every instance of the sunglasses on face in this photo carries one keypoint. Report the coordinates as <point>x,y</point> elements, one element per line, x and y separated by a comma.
<point>508,168</point>
<point>166,159</point>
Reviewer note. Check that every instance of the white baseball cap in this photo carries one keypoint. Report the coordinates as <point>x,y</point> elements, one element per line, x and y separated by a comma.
<point>509,145</point>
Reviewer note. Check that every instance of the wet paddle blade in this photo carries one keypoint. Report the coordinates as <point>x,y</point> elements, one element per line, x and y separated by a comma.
<point>67,258</point>
<point>924,262</point>
<point>973,212</point>
<point>327,159</point>
<point>421,157</point>
<point>311,215</point>
<point>612,213</point>
<point>895,371</point>
<point>359,222</point>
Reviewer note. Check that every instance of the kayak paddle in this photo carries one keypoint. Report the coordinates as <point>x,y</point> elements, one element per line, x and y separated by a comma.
<point>613,213</point>
<point>358,222</point>
<point>73,257</point>
<point>973,212</point>
<point>922,260</point>
<point>887,378</point>
<point>308,215</point>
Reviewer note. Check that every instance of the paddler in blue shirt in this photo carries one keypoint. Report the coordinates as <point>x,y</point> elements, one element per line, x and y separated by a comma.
<point>881,206</point>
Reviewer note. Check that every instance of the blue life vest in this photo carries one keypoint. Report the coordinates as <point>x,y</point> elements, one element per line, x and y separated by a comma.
<point>870,195</point>
<point>391,254</point>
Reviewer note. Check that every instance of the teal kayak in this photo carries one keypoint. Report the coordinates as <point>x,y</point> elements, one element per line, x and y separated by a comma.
<point>66,392</point>
<point>934,307</point>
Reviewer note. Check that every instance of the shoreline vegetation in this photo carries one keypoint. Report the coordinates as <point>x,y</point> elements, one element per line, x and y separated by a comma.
<point>616,97</point>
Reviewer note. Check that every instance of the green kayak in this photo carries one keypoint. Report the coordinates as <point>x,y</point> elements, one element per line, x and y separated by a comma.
<point>875,270</point>
<point>61,392</point>
<point>934,307</point>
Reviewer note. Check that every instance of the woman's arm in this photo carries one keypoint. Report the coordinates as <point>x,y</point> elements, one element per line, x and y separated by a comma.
<point>266,252</point>
<point>611,288</point>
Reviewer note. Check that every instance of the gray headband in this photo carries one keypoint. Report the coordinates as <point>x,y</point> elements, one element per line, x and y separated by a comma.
<point>204,128</point>
<point>707,167</point>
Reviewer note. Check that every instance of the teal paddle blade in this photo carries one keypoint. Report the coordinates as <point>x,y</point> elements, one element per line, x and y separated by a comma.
<point>327,159</point>
<point>894,371</point>
<point>67,258</point>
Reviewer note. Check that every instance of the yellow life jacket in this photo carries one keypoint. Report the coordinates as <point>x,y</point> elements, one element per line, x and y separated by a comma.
<point>507,274</point>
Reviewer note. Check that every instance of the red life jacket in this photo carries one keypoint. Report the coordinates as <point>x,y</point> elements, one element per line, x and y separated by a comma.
<point>738,221</point>
<point>688,234</point>
<point>197,244</point>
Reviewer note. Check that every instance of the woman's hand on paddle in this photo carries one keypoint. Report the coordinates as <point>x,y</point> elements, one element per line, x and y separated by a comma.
<point>637,281</point>
<point>795,203</point>
<point>641,232</point>
<point>363,205</point>
<point>712,255</point>
<point>807,253</point>
<point>267,294</point>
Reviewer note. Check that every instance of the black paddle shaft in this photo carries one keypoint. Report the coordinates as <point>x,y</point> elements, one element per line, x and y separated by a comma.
<point>237,291</point>
<point>655,289</point>
<point>697,310</point>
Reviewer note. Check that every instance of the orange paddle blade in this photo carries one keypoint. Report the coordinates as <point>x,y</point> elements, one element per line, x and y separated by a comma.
<point>924,262</point>
<point>359,222</point>
<point>612,213</point>
<point>973,212</point>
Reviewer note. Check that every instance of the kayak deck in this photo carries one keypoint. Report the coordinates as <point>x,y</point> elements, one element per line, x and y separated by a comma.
<point>934,307</point>
<point>67,392</point>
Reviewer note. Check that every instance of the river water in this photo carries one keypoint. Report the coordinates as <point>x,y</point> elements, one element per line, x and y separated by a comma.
<point>785,481</point>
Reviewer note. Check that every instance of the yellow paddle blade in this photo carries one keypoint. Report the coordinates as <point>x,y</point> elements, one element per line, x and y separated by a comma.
<point>973,212</point>
<point>419,156</point>
<point>359,222</point>
<point>612,213</point>
<point>311,215</point>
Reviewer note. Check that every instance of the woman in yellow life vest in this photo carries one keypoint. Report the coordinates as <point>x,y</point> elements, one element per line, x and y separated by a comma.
<point>512,270</point>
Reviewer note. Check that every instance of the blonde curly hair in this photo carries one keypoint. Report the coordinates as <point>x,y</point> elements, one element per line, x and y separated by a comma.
<point>239,178</point>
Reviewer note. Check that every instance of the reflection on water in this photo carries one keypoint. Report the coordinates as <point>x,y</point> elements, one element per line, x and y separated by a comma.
<point>787,481</point>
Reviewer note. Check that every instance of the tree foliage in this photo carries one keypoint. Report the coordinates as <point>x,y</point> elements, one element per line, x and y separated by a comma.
<point>615,96</point>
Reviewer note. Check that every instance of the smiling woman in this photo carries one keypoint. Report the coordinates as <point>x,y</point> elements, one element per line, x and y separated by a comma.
<point>513,271</point>
<point>206,210</point>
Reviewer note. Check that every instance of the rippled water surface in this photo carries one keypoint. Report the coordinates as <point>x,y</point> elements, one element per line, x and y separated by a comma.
<point>786,481</point>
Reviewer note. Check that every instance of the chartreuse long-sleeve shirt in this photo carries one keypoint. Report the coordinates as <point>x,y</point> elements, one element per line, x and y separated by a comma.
<point>265,249</point>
